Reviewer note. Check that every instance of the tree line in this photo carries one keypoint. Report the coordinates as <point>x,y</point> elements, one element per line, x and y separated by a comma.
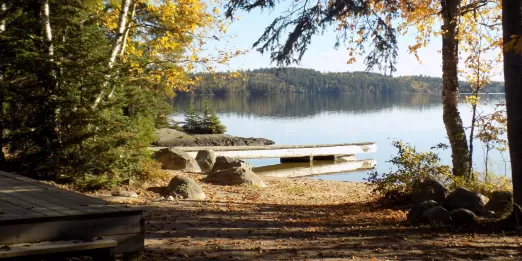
<point>299,80</point>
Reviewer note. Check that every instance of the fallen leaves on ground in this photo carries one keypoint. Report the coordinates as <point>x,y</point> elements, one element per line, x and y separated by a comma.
<point>302,219</point>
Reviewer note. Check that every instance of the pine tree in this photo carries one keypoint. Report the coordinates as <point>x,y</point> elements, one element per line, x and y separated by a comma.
<point>206,122</point>
<point>191,119</point>
<point>215,124</point>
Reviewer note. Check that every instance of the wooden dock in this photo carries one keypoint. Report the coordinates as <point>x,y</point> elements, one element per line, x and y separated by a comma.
<point>31,212</point>
<point>292,170</point>
<point>284,151</point>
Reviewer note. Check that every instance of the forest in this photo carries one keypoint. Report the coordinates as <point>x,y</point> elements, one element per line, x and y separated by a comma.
<point>299,80</point>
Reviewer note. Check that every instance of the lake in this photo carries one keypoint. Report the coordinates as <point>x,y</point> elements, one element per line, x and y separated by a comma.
<point>291,119</point>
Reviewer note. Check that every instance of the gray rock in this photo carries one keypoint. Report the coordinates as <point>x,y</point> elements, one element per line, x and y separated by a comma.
<point>185,188</point>
<point>429,189</point>
<point>235,176</point>
<point>436,215</point>
<point>175,159</point>
<point>129,194</point>
<point>170,198</point>
<point>500,202</point>
<point>160,199</point>
<point>206,160</point>
<point>174,138</point>
<point>223,162</point>
<point>416,213</point>
<point>463,217</point>
<point>463,198</point>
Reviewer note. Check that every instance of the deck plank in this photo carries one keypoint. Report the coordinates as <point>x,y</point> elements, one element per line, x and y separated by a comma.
<point>33,211</point>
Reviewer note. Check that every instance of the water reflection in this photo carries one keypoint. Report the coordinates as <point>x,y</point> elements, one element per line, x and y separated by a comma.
<point>323,119</point>
<point>300,105</point>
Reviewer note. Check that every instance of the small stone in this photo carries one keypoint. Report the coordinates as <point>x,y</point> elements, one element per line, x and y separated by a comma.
<point>170,198</point>
<point>159,199</point>
<point>129,194</point>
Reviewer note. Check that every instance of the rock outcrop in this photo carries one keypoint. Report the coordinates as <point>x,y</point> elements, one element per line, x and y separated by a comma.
<point>174,138</point>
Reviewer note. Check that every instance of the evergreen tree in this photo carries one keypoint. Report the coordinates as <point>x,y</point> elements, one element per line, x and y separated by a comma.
<point>215,124</point>
<point>192,119</point>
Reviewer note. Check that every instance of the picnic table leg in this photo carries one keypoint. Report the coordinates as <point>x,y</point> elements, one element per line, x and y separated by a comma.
<point>132,256</point>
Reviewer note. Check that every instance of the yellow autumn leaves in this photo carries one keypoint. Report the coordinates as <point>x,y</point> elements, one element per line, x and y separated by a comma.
<point>167,40</point>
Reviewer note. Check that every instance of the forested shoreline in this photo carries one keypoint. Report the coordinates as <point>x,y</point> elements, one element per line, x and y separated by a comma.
<point>299,80</point>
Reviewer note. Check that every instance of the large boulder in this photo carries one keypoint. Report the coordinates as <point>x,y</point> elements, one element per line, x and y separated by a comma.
<point>223,162</point>
<point>175,159</point>
<point>463,217</point>
<point>463,198</point>
<point>235,176</point>
<point>500,202</point>
<point>185,187</point>
<point>416,213</point>
<point>436,215</point>
<point>429,189</point>
<point>206,160</point>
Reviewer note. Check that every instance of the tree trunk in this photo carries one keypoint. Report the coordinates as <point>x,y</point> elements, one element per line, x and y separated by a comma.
<point>127,28</point>
<point>512,25</point>
<point>3,9</point>
<point>125,36</point>
<point>116,45</point>
<point>451,116</point>
<point>46,28</point>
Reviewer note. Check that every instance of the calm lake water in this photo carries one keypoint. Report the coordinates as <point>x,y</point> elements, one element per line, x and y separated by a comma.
<point>323,119</point>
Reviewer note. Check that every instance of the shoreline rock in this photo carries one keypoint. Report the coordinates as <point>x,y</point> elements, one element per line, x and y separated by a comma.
<point>173,138</point>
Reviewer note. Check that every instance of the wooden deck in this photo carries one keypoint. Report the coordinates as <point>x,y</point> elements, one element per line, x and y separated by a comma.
<point>31,211</point>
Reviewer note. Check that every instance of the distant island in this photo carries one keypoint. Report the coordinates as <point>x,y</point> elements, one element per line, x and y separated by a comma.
<point>299,80</point>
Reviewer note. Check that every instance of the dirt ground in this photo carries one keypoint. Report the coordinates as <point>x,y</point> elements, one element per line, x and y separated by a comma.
<point>303,219</point>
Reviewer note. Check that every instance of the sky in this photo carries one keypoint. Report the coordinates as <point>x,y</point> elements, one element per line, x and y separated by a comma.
<point>321,55</point>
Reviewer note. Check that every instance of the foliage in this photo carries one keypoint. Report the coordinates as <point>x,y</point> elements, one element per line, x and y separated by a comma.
<point>298,80</point>
<point>48,119</point>
<point>355,21</point>
<point>483,184</point>
<point>412,167</point>
<point>206,123</point>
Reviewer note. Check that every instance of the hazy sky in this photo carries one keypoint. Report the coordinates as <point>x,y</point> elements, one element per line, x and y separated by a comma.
<point>321,55</point>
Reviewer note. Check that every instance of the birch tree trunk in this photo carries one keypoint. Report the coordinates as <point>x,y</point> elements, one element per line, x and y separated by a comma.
<point>512,25</point>
<point>116,45</point>
<point>450,90</point>
<point>46,28</point>
<point>3,9</point>
<point>125,36</point>
<point>127,27</point>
